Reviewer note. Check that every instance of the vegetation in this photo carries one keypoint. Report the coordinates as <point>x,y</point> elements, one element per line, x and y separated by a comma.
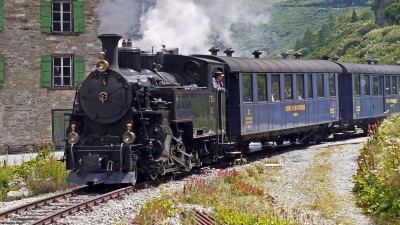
<point>236,197</point>
<point>41,174</point>
<point>378,178</point>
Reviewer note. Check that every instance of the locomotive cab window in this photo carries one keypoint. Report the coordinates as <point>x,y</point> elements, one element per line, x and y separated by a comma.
<point>300,86</point>
<point>332,85</point>
<point>320,86</point>
<point>247,88</point>
<point>288,87</point>
<point>275,88</point>
<point>262,87</point>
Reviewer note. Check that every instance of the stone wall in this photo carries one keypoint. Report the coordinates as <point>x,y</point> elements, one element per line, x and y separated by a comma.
<point>25,107</point>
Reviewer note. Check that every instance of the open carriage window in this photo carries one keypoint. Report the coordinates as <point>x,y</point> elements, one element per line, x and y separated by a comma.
<point>247,88</point>
<point>275,88</point>
<point>262,87</point>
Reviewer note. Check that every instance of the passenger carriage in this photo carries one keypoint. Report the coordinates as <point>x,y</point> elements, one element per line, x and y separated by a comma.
<point>368,93</point>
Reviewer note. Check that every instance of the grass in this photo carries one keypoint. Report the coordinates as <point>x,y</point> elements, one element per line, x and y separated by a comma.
<point>234,197</point>
<point>42,174</point>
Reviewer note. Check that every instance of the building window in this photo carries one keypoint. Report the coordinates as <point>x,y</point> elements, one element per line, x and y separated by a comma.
<point>62,70</point>
<point>62,16</point>
<point>1,15</point>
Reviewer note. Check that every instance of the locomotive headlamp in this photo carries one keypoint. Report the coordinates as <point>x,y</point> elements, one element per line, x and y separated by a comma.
<point>129,137</point>
<point>102,65</point>
<point>73,137</point>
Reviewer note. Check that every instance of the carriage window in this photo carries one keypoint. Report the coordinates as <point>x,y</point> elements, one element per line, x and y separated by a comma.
<point>394,85</point>
<point>376,86</point>
<point>300,86</point>
<point>262,87</point>
<point>247,85</point>
<point>320,85</point>
<point>275,88</point>
<point>367,87</point>
<point>387,85</point>
<point>288,87</point>
<point>310,86</point>
<point>332,85</point>
<point>357,84</point>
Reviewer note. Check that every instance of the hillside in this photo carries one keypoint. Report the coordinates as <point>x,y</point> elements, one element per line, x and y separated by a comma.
<point>317,27</point>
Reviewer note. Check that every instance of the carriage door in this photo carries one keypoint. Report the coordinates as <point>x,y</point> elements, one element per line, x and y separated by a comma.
<point>378,98</point>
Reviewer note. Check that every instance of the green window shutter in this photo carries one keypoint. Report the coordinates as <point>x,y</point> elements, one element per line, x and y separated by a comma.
<point>1,71</point>
<point>79,16</point>
<point>45,11</point>
<point>46,71</point>
<point>1,15</point>
<point>79,66</point>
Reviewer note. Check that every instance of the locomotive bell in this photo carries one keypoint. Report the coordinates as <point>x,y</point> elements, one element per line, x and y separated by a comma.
<point>102,65</point>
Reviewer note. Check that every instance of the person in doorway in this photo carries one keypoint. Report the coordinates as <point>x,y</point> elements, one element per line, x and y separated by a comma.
<point>218,83</point>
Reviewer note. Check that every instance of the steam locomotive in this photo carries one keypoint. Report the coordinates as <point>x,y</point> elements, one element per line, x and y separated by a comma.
<point>142,114</point>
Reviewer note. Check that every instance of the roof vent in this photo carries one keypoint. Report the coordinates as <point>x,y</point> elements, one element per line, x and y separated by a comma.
<point>325,57</point>
<point>335,58</point>
<point>257,54</point>
<point>398,63</point>
<point>368,61</point>
<point>297,55</point>
<point>229,52</point>
<point>214,50</point>
<point>375,61</point>
<point>285,55</point>
<point>123,43</point>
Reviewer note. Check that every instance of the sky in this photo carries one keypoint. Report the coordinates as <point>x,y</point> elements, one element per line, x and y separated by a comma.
<point>194,26</point>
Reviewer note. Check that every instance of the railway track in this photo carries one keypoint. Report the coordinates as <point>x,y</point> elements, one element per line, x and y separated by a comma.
<point>48,210</point>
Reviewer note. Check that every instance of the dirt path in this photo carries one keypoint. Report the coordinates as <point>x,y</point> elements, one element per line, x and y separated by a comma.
<point>318,181</point>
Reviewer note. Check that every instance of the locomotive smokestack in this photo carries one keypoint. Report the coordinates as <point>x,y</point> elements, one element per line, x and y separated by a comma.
<point>229,52</point>
<point>213,50</point>
<point>110,45</point>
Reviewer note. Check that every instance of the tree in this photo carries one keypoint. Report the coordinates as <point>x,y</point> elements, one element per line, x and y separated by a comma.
<point>354,17</point>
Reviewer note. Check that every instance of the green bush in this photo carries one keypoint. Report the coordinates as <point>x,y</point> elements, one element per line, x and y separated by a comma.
<point>378,178</point>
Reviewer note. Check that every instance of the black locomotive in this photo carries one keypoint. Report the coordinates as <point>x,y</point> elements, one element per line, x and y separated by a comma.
<point>145,114</point>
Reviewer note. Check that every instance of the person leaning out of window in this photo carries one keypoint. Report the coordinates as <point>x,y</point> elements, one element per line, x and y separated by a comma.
<point>218,84</point>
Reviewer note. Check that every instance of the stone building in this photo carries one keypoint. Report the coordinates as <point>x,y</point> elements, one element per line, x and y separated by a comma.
<point>47,47</point>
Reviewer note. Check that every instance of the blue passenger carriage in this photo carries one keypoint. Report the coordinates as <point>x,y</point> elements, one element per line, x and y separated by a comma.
<point>368,92</point>
<point>280,100</point>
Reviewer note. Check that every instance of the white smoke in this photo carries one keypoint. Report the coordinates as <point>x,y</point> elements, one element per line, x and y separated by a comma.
<point>191,25</point>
